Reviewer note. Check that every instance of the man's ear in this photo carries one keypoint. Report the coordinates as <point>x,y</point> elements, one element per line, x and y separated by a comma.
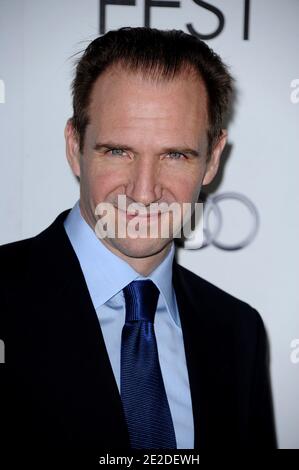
<point>72,147</point>
<point>213,163</point>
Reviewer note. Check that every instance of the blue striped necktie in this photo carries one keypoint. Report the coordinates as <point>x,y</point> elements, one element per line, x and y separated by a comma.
<point>143,393</point>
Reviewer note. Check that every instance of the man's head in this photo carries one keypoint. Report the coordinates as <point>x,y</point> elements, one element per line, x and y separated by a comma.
<point>149,108</point>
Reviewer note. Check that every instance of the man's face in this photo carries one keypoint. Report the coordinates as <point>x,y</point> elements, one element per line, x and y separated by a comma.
<point>147,141</point>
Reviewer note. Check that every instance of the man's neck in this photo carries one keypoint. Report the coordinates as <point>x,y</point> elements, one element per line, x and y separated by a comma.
<point>143,266</point>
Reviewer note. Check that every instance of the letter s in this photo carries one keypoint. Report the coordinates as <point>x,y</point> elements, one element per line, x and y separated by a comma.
<point>216,12</point>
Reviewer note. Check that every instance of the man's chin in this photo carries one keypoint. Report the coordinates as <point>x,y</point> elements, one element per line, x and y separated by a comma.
<point>137,248</point>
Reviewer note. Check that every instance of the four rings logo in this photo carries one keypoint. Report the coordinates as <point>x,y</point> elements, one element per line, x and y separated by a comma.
<point>213,232</point>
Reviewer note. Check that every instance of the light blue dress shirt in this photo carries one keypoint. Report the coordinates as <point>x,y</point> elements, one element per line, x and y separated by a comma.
<point>106,275</point>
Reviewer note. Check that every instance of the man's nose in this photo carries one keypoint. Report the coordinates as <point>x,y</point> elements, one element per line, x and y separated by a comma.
<point>145,186</point>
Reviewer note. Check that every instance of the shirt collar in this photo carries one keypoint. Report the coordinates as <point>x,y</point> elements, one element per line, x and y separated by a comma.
<point>162,277</point>
<point>105,273</point>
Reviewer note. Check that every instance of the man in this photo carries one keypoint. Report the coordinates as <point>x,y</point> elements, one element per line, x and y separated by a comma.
<point>109,343</point>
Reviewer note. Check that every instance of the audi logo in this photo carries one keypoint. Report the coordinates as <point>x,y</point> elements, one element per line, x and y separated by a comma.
<point>205,235</point>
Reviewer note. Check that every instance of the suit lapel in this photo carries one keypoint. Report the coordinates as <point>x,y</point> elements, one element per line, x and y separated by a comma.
<point>79,364</point>
<point>208,349</point>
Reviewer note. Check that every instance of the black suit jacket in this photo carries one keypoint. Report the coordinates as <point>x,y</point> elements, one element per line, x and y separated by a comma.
<point>58,387</point>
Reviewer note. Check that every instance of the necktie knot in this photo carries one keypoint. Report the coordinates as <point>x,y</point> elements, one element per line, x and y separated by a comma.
<point>141,298</point>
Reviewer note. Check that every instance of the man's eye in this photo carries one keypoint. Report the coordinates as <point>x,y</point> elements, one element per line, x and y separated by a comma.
<point>117,152</point>
<point>176,155</point>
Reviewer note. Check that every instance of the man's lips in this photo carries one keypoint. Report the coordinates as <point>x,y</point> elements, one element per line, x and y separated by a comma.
<point>139,215</point>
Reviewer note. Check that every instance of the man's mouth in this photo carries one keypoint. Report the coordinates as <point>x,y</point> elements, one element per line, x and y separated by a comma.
<point>140,215</point>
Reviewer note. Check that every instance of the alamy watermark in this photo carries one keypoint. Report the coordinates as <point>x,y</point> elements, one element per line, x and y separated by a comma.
<point>295,93</point>
<point>2,352</point>
<point>158,220</point>
<point>294,356</point>
<point>2,91</point>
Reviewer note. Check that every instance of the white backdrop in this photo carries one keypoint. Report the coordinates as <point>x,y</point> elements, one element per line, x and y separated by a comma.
<point>37,39</point>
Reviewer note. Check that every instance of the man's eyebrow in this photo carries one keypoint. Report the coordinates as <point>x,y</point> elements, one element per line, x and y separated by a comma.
<point>109,145</point>
<point>190,151</point>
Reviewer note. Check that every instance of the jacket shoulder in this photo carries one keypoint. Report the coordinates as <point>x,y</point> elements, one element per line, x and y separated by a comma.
<point>224,305</point>
<point>196,282</point>
<point>17,257</point>
<point>14,254</point>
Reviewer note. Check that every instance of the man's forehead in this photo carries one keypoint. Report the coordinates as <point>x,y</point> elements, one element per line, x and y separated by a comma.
<point>124,102</point>
<point>131,96</point>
